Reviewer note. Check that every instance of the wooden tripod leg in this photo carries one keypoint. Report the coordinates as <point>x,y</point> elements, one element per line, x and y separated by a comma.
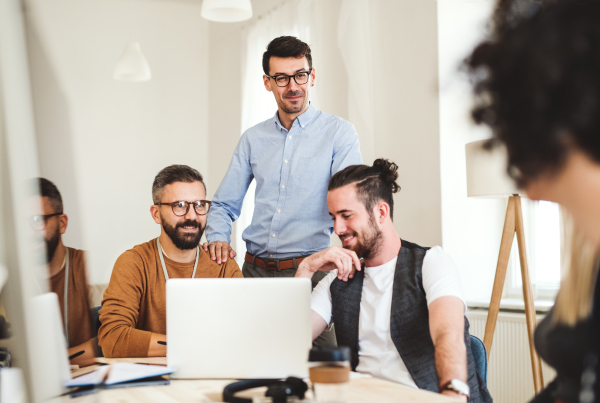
<point>508,234</point>
<point>536,363</point>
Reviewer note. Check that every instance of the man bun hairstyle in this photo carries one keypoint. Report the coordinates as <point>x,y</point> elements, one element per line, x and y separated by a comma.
<point>172,174</point>
<point>49,190</point>
<point>286,46</point>
<point>373,183</point>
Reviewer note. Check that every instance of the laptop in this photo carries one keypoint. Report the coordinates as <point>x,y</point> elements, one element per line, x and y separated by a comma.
<point>238,328</point>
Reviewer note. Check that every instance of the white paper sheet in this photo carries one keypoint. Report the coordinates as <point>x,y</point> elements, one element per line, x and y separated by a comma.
<point>125,372</point>
<point>93,378</point>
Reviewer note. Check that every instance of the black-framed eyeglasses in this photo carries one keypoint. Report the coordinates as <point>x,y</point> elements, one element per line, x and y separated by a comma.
<point>181,207</point>
<point>38,222</point>
<point>282,80</point>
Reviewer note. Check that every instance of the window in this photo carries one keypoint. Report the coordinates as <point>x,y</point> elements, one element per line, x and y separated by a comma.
<point>543,242</point>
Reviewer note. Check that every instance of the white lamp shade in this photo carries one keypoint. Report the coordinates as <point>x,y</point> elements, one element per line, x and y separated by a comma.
<point>132,66</point>
<point>226,10</point>
<point>486,172</point>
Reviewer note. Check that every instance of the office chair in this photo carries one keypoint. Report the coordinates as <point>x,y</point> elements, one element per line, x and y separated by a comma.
<point>480,357</point>
<point>95,314</point>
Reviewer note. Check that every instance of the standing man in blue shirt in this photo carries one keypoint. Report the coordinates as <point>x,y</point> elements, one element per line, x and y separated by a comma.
<point>292,156</point>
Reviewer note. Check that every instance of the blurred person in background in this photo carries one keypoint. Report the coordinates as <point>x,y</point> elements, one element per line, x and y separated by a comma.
<point>66,274</point>
<point>537,86</point>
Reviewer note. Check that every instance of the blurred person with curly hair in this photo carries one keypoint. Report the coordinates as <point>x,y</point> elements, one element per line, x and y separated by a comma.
<point>537,86</point>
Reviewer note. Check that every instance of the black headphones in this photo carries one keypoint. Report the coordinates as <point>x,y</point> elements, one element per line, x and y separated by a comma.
<point>278,390</point>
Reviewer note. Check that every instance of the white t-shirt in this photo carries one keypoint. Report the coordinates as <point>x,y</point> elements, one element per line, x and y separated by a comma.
<point>378,355</point>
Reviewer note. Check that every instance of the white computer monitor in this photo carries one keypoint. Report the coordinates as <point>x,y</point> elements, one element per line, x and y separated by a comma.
<point>35,346</point>
<point>51,371</point>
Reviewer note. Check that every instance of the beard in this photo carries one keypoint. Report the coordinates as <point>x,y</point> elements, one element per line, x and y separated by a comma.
<point>51,245</point>
<point>184,241</point>
<point>368,242</point>
<point>293,109</point>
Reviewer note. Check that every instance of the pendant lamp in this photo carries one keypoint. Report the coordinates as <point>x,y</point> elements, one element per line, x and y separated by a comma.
<point>132,66</point>
<point>226,10</point>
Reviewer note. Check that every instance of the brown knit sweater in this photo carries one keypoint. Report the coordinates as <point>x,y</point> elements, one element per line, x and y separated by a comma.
<point>134,304</point>
<point>80,322</point>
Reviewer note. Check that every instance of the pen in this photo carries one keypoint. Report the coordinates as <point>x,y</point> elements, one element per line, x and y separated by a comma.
<point>77,354</point>
<point>164,343</point>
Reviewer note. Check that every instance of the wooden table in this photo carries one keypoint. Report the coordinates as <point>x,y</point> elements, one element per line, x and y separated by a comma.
<point>210,390</point>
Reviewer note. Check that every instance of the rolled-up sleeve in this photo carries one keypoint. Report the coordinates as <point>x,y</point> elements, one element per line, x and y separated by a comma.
<point>346,148</point>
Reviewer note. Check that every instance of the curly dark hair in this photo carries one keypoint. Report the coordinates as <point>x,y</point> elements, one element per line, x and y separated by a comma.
<point>537,85</point>
<point>508,13</point>
<point>286,46</point>
<point>373,184</point>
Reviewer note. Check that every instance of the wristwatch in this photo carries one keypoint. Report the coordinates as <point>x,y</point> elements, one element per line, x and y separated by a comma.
<point>458,386</point>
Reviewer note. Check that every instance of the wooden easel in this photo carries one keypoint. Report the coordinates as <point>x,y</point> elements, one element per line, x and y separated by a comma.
<point>514,223</point>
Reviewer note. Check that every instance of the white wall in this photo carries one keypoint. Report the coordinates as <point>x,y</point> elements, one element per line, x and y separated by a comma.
<point>407,112</point>
<point>225,107</point>
<point>471,228</point>
<point>102,141</point>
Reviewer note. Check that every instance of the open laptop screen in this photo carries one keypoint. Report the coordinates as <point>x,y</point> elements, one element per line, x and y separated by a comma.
<point>238,328</point>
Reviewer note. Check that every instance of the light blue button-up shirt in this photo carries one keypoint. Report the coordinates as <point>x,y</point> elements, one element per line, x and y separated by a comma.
<point>292,170</point>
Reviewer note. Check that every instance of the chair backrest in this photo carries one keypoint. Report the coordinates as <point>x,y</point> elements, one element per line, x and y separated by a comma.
<point>480,356</point>
<point>95,314</point>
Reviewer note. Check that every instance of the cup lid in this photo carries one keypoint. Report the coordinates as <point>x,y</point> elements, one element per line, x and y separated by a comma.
<point>322,353</point>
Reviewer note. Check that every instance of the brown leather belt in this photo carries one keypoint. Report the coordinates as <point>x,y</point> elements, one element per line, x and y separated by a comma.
<point>274,264</point>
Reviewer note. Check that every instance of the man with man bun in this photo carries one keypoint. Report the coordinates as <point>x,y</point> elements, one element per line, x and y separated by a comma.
<point>402,313</point>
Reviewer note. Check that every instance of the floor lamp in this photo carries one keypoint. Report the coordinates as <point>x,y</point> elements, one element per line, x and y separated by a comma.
<point>486,177</point>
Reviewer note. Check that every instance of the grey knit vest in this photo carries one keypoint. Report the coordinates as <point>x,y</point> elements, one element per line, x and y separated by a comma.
<point>409,322</point>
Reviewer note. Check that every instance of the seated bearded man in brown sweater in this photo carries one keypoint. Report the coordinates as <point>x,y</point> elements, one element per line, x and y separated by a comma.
<point>66,273</point>
<point>133,313</point>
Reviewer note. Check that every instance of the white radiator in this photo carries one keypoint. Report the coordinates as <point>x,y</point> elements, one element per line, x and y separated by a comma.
<point>509,368</point>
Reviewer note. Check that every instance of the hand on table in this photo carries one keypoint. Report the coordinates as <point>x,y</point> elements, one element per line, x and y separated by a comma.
<point>158,345</point>
<point>219,251</point>
<point>345,261</point>
<point>88,357</point>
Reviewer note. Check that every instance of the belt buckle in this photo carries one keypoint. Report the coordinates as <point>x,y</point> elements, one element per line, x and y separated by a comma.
<point>272,262</point>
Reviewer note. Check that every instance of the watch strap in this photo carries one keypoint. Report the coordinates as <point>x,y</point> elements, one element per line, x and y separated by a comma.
<point>449,386</point>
